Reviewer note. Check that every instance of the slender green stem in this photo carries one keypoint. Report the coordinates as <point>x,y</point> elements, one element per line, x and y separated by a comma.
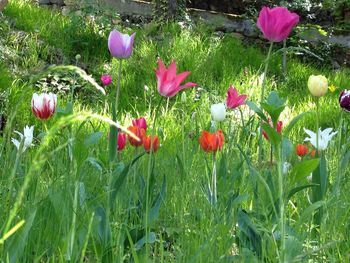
<point>284,59</point>
<point>214,180</point>
<point>262,98</point>
<point>149,175</point>
<point>183,137</point>
<point>281,201</point>
<point>113,130</point>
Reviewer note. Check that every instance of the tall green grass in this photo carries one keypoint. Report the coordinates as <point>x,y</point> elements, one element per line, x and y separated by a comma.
<point>66,205</point>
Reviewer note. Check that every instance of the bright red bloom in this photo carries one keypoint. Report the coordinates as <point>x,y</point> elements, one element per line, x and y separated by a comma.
<point>211,142</point>
<point>301,149</point>
<point>137,132</point>
<point>140,122</point>
<point>150,141</point>
<point>276,23</point>
<point>168,82</point>
<point>278,129</point>
<point>121,141</point>
<point>234,100</point>
<point>44,105</point>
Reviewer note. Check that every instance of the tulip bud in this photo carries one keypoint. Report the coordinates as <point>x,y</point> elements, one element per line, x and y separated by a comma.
<point>318,85</point>
<point>218,112</point>
<point>106,79</point>
<point>77,57</point>
<point>121,141</point>
<point>344,100</point>
<point>44,105</point>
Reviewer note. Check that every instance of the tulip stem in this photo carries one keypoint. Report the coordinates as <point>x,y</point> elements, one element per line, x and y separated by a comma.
<point>281,201</point>
<point>284,59</point>
<point>113,131</point>
<point>149,175</point>
<point>214,197</point>
<point>262,98</point>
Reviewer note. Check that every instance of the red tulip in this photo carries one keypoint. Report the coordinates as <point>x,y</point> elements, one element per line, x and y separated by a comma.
<point>234,100</point>
<point>138,132</point>
<point>301,149</point>
<point>140,122</point>
<point>278,129</point>
<point>168,82</point>
<point>276,23</point>
<point>44,105</point>
<point>211,142</point>
<point>106,80</point>
<point>150,141</point>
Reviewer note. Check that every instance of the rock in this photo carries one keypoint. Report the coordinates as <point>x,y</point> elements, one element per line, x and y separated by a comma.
<point>3,3</point>
<point>44,2</point>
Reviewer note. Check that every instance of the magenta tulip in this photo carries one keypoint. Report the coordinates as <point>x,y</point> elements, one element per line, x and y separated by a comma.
<point>106,80</point>
<point>121,141</point>
<point>169,82</point>
<point>234,100</point>
<point>140,122</point>
<point>120,45</point>
<point>276,23</point>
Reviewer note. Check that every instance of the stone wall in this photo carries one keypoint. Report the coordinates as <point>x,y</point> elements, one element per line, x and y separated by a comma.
<point>3,3</point>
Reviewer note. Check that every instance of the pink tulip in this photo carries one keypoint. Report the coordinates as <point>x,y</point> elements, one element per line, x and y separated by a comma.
<point>106,79</point>
<point>234,100</point>
<point>140,122</point>
<point>120,45</point>
<point>276,23</point>
<point>121,141</point>
<point>44,105</point>
<point>169,82</point>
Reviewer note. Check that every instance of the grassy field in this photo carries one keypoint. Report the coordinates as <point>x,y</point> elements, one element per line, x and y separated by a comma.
<point>76,206</point>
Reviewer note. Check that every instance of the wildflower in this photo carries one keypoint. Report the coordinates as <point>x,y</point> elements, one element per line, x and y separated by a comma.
<point>276,23</point>
<point>140,122</point>
<point>301,149</point>
<point>278,129</point>
<point>332,88</point>
<point>121,141</point>
<point>138,132</point>
<point>44,105</point>
<point>234,100</point>
<point>218,112</point>
<point>169,82</point>
<point>211,142</point>
<point>344,100</point>
<point>106,79</point>
<point>26,138</point>
<point>324,137</point>
<point>120,45</point>
<point>318,85</point>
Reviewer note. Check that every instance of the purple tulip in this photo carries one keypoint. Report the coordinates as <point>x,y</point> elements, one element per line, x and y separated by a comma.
<point>120,45</point>
<point>344,100</point>
<point>276,23</point>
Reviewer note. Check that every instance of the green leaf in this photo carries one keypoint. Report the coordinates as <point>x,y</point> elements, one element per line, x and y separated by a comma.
<point>154,212</point>
<point>150,240</point>
<point>257,110</point>
<point>308,211</point>
<point>92,138</point>
<point>290,126</point>
<point>287,148</point>
<point>274,105</point>
<point>116,186</point>
<point>303,169</point>
<point>298,189</point>
<point>273,135</point>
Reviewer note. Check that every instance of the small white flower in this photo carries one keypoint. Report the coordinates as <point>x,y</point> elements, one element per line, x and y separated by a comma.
<point>324,137</point>
<point>26,138</point>
<point>218,112</point>
<point>309,178</point>
<point>286,167</point>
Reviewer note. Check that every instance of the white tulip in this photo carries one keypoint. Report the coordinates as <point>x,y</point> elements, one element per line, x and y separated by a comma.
<point>324,137</point>
<point>218,112</point>
<point>26,138</point>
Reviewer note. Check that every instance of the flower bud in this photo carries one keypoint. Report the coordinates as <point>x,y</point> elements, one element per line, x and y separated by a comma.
<point>218,112</point>
<point>318,85</point>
